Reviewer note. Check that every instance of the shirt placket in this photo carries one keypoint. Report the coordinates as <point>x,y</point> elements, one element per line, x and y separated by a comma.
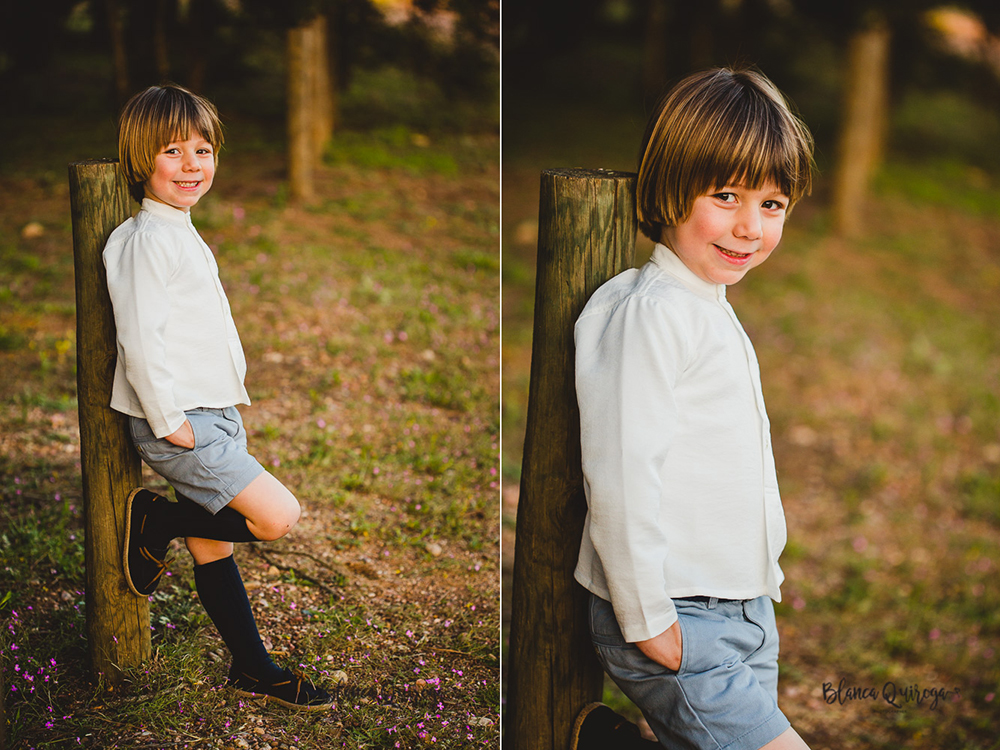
<point>770,511</point>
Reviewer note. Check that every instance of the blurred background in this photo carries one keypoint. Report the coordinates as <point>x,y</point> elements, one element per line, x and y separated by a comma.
<point>355,215</point>
<point>874,322</point>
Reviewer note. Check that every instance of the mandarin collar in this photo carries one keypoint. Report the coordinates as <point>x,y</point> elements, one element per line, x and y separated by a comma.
<point>164,211</point>
<point>667,260</point>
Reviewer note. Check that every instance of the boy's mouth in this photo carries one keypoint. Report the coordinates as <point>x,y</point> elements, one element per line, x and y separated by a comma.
<point>733,254</point>
<point>193,184</point>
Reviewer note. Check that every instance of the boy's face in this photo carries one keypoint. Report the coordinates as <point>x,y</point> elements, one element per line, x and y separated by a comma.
<point>729,231</point>
<point>182,173</point>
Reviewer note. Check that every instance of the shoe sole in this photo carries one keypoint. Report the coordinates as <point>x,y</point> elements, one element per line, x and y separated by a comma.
<point>128,532</point>
<point>264,697</point>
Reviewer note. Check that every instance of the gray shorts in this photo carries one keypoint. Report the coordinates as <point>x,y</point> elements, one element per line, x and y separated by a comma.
<point>725,694</point>
<point>213,472</point>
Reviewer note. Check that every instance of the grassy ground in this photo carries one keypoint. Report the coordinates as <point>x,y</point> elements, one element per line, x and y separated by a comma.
<point>370,323</point>
<point>882,375</point>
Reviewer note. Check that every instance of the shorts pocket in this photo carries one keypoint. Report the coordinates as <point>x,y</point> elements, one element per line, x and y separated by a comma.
<point>151,447</point>
<point>604,629</point>
<point>703,634</point>
<point>763,619</point>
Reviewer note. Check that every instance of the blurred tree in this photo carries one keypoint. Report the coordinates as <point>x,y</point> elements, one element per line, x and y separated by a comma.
<point>536,31</point>
<point>155,41</point>
<point>863,127</point>
<point>119,55</point>
<point>30,34</point>
<point>310,102</point>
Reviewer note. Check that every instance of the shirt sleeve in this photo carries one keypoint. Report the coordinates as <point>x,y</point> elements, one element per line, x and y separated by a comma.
<point>138,286</point>
<point>627,366</point>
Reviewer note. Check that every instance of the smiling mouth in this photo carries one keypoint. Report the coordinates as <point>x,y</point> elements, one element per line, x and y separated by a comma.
<point>732,253</point>
<point>188,184</point>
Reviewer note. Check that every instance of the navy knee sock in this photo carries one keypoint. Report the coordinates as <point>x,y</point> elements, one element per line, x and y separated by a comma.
<point>224,597</point>
<point>186,518</point>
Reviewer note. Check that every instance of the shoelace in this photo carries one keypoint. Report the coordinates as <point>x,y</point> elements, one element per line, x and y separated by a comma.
<point>298,686</point>
<point>161,565</point>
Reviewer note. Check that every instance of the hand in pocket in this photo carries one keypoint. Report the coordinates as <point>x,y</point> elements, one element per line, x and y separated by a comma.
<point>183,437</point>
<point>666,649</point>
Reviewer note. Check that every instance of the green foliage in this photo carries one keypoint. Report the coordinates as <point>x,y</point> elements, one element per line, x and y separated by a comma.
<point>390,148</point>
<point>386,93</point>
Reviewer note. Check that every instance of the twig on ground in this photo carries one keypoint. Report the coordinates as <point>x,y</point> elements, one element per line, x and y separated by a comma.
<point>299,573</point>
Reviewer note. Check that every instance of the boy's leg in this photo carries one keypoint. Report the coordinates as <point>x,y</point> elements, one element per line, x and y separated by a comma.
<point>263,511</point>
<point>222,593</point>
<point>270,509</point>
<point>205,551</point>
<point>789,740</point>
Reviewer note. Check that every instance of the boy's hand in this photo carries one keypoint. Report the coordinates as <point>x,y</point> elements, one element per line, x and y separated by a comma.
<point>666,648</point>
<point>183,437</point>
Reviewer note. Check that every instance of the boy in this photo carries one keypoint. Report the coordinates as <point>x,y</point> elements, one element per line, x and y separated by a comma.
<point>684,528</point>
<point>179,377</point>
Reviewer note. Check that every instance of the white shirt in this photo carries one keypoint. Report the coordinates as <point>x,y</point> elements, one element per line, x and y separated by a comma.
<point>178,347</point>
<point>678,470</point>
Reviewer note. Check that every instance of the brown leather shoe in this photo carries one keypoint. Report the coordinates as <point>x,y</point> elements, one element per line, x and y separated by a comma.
<point>144,566</point>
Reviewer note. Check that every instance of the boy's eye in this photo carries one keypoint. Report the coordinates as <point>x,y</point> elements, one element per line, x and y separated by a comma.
<point>773,205</point>
<point>725,197</point>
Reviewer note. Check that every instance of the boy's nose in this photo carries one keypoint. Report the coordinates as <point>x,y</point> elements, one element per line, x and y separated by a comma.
<point>748,225</point>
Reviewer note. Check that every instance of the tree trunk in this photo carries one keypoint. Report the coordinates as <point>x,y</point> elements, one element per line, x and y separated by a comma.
<point>323,122</point>
<point>587,228</point>
<point>863,128</point>
<point>655,64</point>
<point>161,50</point>
<point>301,112</point>
<point>119,57</point>
<point>117,621</point>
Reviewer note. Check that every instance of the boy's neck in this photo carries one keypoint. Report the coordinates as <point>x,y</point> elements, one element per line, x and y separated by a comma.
<point>182,209</point>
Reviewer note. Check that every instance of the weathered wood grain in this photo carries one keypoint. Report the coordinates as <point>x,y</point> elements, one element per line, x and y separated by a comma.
<point>587,229</point>
<point>117,621</point>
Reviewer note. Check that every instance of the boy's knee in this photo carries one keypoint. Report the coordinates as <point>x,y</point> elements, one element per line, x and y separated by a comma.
<point>278,522</point>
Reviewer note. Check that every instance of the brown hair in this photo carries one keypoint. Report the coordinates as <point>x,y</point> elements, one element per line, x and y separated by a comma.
<point>153,118</point>
<point>716,128</point>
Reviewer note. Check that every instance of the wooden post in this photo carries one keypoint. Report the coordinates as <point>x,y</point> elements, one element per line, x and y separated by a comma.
<point>587,228</point>
<point>117,620</point>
